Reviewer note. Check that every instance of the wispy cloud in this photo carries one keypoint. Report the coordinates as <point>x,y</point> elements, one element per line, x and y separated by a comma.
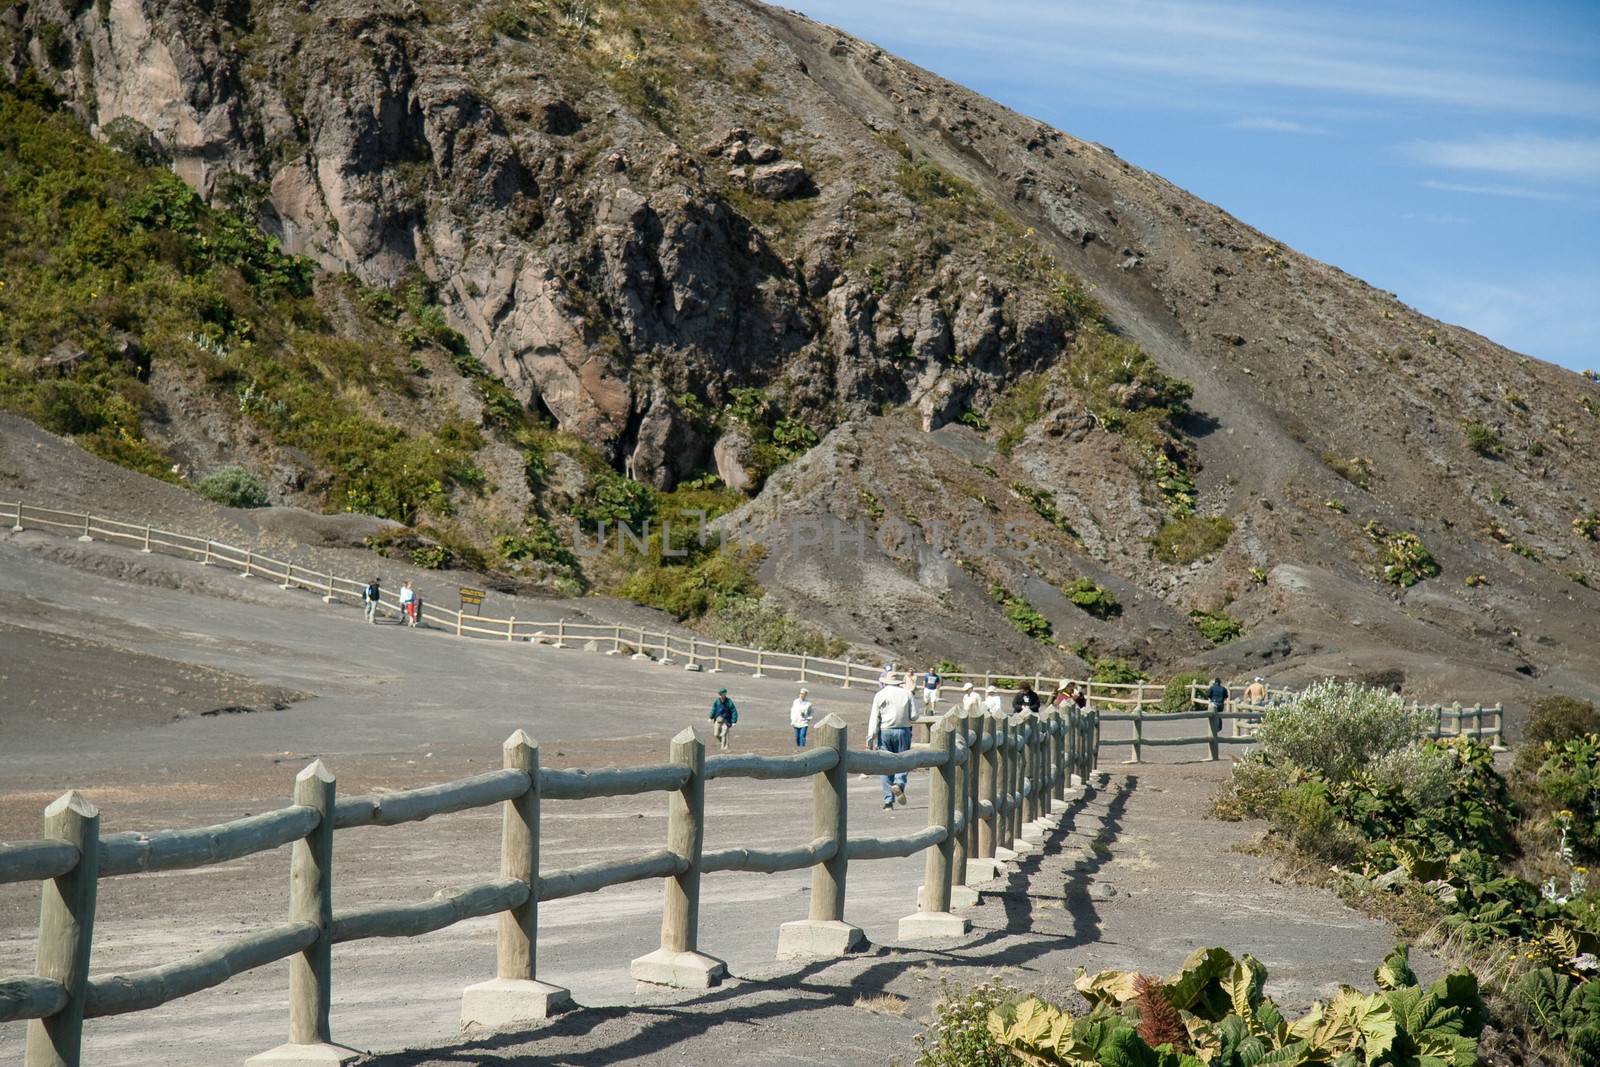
<point>1512,191</point>
<point>1231,42</point>
<point>1523,155</point>
<point>1270,125</point>
<point>1520,313</point>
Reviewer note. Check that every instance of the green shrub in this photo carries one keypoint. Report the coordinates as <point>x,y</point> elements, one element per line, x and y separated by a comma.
<point>1588,526</point>
<point>537,543</point>
<point>1185,540</point>
<point>1559,719</point>
<point>707,582</point>
<point>959,1034</point>
<point>1022,614</point>
<point>1095,599</point>
<point>1107,669</point>
<point>1402,557</point>
<point>1568,783</point>
<point>615,499</point>
<point>1045,506</point>
<point>1337,729</point>
<point>1218,627</point>
<point>233,487</point>
<point>1175,697</point>
<point>1482,439</point>
<point>432,557</point>
<point>758,622</point>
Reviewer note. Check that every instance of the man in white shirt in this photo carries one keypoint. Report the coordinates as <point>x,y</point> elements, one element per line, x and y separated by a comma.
<point>800,717</point>
<point>991,700</point>
<point>889,728</point>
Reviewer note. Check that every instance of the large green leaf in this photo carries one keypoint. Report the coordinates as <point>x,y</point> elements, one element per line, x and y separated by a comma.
<point>1193,987</point>
<point>1395,970</point>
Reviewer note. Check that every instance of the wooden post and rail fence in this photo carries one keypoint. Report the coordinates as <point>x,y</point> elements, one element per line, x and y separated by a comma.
<point>993,779</point>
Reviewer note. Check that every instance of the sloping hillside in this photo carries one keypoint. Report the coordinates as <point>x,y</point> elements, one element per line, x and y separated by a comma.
<point>702,238</point>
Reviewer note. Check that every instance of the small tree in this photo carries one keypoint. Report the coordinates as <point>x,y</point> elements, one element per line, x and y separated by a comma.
<point>233,487</point>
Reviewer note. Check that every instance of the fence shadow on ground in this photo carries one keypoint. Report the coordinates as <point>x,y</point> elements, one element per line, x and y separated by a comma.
<point>751,1001</point>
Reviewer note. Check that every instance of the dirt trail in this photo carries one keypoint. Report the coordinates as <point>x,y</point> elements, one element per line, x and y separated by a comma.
<point>1137,876</point>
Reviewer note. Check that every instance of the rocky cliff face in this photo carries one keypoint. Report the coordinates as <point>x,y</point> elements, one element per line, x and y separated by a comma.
<point>633,210</point>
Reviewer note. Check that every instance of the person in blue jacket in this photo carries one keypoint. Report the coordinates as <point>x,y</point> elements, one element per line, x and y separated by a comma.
<point>723,715</point>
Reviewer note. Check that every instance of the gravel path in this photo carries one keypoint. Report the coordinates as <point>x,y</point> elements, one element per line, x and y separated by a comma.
<point>112,648</point>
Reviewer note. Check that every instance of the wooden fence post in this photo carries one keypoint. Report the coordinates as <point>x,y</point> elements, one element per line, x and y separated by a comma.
<point>311,901</point>
<point>328,596</point>
<point>85,536</point>
<point>933,917</point>
<point>249,559</point>
<point>1499,744</point>
<point>758,673</point>
<point>17,528</point>
<point>677,962</point>
<point>1138,735</point>
<point>965,783</point>
<point>66,932</point>
<point>1093,758</point>
<point>515,995</point>
<point>824,932</point>
<point>146,548</point>
<point>511,628</point>
<point>987,790</point>
<point>1059,759</point>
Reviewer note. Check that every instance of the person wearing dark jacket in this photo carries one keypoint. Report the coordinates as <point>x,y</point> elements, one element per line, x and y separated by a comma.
<point>1026,702</point>
<point>1218,696</point>
<point>723,717</point>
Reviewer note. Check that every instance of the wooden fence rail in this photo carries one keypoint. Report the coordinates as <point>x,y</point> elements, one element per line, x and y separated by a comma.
<point>991,778</point>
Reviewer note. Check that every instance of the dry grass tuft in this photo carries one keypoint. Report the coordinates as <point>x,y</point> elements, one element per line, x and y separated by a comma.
<point>882,1003</point>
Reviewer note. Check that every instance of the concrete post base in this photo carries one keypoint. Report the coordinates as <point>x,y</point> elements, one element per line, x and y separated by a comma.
<point>983,870</point>
<point>933,924</point>
<point>1003,854</point>
<point>639,655</point>
<point>502,1003</point>
<point>320,1054</point>
<point>691,666</point>
<point>819,937</point>
<point>681,970</point>
<point>961,896</point>
<point>1022,847</point>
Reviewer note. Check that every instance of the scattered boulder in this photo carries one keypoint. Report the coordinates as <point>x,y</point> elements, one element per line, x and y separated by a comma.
<point>776,181</point>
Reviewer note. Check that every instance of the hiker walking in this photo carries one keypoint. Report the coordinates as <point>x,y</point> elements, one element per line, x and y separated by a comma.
<point>408,604</point>
<point>723,715</point>
<point>1026,702</point>
<point>931,681</point>
<point>1256,692</point>
<point>991,700</point>
<point>1217,696</point>
<point>800,717</point>
<point>971,702</point>
<point>889,728</point>
<point>369,600</point>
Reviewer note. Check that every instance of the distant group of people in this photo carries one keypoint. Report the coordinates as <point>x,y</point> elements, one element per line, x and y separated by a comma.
<point>894,710</point>
<point>410,603</point>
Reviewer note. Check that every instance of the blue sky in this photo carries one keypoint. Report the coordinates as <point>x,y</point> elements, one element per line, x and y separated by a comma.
<point>1448,151</point>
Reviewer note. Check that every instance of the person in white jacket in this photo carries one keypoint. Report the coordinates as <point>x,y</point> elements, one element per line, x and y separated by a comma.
<point>991,700</point>
<point>800,717</point>
<point>971,702</point>
<point>889,728</point>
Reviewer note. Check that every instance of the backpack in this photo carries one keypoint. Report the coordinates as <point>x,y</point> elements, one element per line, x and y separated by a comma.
<point>372,591</point>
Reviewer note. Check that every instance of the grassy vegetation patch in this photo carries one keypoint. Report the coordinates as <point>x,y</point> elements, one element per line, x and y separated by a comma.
<point>1095,599</point>
<point>1193,537</point>
<point>1022,614</point>
<point>1403,560</point>
<point>1218,627</point>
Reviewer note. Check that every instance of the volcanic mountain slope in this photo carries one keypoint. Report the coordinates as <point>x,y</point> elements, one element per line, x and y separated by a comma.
<point>701,236</point>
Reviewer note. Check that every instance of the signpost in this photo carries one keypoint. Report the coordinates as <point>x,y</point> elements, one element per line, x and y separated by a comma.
<point>471,597</point>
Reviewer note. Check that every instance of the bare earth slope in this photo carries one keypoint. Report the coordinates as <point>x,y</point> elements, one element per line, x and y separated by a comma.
<point>633,211</point>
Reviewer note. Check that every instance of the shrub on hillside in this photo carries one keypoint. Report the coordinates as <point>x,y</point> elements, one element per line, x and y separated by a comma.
<point>756,622</point>
<point>1337,728</point>
<point>1218,627</point>
<point>1402,557</point>
<point>1022,614</point>
<point>1119,671</point>
<point>1193,537</point>
<point>233,487</point>
<point>1482,439</point>
<point>1095,599</point>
